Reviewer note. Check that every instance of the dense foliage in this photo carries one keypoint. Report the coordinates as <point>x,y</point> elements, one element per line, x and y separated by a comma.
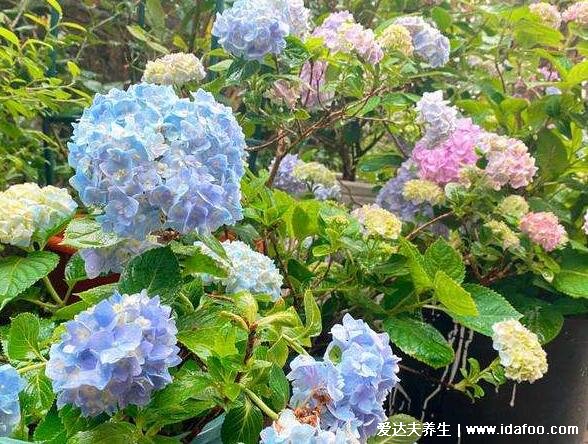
<point>221,283</point>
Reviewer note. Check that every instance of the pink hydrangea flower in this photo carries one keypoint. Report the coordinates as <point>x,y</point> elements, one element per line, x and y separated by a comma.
<point>578,12</point>
<point>509,162</point>
<point>443,163</point>
<point>543,228</point>
<point>313,77</point>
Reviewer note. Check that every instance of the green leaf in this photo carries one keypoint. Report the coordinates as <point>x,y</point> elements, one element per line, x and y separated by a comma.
<point>440,256</point>
<point>280,388</point>
<point>9,35</point>
<point>55,5</point>
<point>23,338</point>
<point>420,340</point>
<point>404,429</point>
<point>87,233</point>
<point>156,271</point>
<point>453,296</point>
<point>200,262</point>
<point>155,14</point>
<point>442,18</point>
<point>97,294</point>
<point>539,316</point>
<point>300,223</point>
<point>107,433</point>
<point>50,430</point>
<point>530,33</point>
<point>416,265</point>
<point>221,66</point>
<point>312,314</point>
<point>37,396</point>
<point>19,273</point>
<point>242,424</point>
<point>572,278</point>
<point>492,308</point>
<point>376,162</point>
<point>551,154</point>
<point>73,421</point>
<point>75,270</point>
<point>577,74</point>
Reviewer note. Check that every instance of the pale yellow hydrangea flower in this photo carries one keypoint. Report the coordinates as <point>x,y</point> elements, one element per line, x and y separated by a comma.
<point>503,233</point>
<point>378,222</point>
<point>513,206</point>
<point>174,69</point>
<point>315,172</point>
<point>423,191</point>
<point>397,38</point>
<point>17,222</point>
<point>519,350</point>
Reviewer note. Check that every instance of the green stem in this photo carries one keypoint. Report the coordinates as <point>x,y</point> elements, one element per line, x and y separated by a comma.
<point>259,403</point>
<point>28,368</point>
<point>52,292</point>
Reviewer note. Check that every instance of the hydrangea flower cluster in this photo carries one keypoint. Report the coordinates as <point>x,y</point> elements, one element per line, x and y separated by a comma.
<point>397,38</point>
<point>313,76</point>
<point>341,33</point>
<point>254,28</point>
<point>577,12</point>
<point>285,180</point>
<point>27,208</point>
<point>174,69</point>
<point>519,350</point>
<point>423,191</point>
<point>151,161</point>
<point>513,206</point>
<point>547,13</point>
<point>503,233</point>
<point>378,222</point>
<point>248,270</point>
<point>438,117</point>
<point>441,164</point>
<point>113,259</point>
<point>391,196</point>
<point>428,42</point>
<point>11,384</point>
<point>318,178</point>
<point>288,429</point>
<point>509,161</point>
<point>114,354</point>
<point>543,228</point>
<point>351,383</point>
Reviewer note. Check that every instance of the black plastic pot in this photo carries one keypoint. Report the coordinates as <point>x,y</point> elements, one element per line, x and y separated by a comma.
<point>558,399</point>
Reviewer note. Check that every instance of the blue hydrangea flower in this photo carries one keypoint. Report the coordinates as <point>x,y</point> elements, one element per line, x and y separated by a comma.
<point>114,354</point>
<point>151,160</point>
<point>350,385</point>
<point>391,196</point>
<point>428,42</point>
<point>254,28</point>
<point>288,429</point>
<point>112,259</point>
<point>11,384</point>
<point>247,270</point>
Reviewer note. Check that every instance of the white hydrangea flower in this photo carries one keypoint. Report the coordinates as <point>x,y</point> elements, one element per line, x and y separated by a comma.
<point>514,206</point>
<point>315,172</point>
<point>248,270</point>
<point>519,350</point>
<point>397,38</point>
<point>174,69</point>
<point>423,191</point>
<point>503,233</point>
<point>26,208</point>
<point>378,222</point>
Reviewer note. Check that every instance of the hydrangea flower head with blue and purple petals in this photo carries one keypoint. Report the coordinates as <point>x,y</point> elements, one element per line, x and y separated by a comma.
<point>254,28</point>
<point>428,42</point>
<point>114,354</point>
<point>350,385</point>
<point>11,384</point>
<point>113,259</point>
<point>151,160</point>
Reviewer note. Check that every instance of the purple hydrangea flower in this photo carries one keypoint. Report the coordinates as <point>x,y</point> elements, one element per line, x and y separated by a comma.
<point>350,385</point>
<point>439,118</point>
<point>114,354</point>
<point>113,259</point>
<point>313,76</point>
<point>11,384</point>
<point>428,42</point>
<point>391,195</point>
<point>151,160</point>
<point>285,180</point>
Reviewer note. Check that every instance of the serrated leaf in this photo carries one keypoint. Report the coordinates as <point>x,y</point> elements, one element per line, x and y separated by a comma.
<point>416,265</point>
<point>200,262</point>
<point>280,388</point>
<point>453,296</point>
<point>37,396</point>
<point>17,273</point>
<point>73,421</point>
<point>403,429</point>
<point>420,340</point>
<point>156,271</point>
<point>539,316</point>
<point>97,294</point>
<point>440,256</point>
<point>87,233</point>
<point>75,270</point>
<point>572,278</point>
<point>242,424</point>
<point>107,433</point>
<point>51,430</point>
<point>492,308</point>
<point>23,338</point>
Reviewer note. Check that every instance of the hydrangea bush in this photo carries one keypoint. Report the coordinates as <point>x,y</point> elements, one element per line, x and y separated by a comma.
<point>217,243</point>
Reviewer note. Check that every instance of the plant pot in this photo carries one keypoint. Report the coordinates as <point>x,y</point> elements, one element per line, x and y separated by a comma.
<point>357,193</point>
<point>57,276</point>
<point>560,398</point>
